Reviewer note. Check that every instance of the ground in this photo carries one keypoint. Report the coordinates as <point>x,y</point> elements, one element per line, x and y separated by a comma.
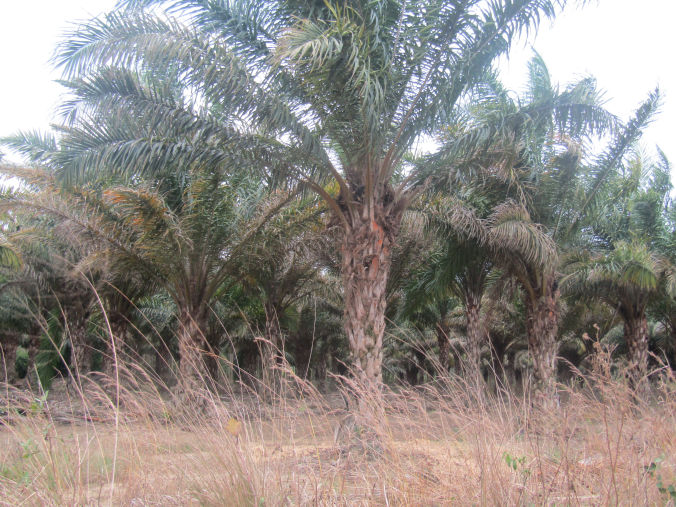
<point>436,446</point>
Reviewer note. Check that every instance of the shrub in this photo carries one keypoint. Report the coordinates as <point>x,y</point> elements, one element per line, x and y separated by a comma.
<point>21,362</point>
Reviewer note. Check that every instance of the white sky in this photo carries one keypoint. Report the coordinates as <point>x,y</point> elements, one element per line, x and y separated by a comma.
<point>628,45</point>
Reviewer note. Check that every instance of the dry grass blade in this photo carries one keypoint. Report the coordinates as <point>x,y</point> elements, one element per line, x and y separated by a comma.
<point>440,446</point>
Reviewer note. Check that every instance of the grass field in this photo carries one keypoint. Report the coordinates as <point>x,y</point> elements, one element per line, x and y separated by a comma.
<point>431,445</point>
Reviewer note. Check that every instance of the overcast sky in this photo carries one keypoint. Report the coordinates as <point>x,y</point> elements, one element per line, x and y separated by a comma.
<point>628,45</point>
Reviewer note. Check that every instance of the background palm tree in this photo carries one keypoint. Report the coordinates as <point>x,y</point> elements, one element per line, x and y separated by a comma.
<point>186,241</point>
<point>625,265</point>
<point>281,269</point>
<point>51,273</point>
<point>626,278</point>
<point>457,267</point>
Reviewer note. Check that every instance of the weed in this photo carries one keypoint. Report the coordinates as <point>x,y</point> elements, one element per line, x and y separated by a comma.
<point>667,491</point>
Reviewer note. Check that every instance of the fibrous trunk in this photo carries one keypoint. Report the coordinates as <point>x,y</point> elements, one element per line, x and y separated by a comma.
<point>81,352</point>
<point>191,347</point>
<point>115,343</point>
<point>542,322</point>
<point>444,346</point>
<point>502,375</point>
<point>213,358</point>
<point>272,349</point>
<point>365,269</point>
<point>8,346</point>
<point>673,347</point>
<point>636,337</point>
<point>475,341</point>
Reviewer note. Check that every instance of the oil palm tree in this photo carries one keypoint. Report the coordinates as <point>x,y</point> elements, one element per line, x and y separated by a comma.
<point>158,173</point>
<point>49,271</point>
<point>457,267</point>
<point>340,91</point>
<point>627,278</point>
<point>280,269</point>
<point>186,241</point>
<point>191,251</point>
<point>626,264</point>
<point>664,309</point>
<point>529,153</point>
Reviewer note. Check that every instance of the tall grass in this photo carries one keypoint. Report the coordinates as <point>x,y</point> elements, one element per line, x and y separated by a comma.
<point>97,441</point>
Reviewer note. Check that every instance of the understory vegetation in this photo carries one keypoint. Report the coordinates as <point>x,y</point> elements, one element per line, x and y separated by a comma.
<point>291,252</point>
<point>438,444</point>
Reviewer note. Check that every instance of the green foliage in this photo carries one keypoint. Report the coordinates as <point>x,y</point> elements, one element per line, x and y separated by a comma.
<point>518,465</point>
<point>53,352</point>
<point>21,362</point>
<point>176,185</point>
<point>37,406</point>
<point>514,462</point>
<point>668,491</point>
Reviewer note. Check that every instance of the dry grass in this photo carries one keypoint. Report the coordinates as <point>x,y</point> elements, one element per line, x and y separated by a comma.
<point>436,446</point>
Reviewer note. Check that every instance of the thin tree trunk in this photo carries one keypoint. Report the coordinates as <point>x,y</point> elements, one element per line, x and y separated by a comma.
<point>412,372</point>
<point>510,371</point>
<point>636,337</point>
<point>162,361</point>
<point>475,341</point>
<point>673,347</point>
<point>497,360</point>
<point>365,269</point>
<point>542,322</point>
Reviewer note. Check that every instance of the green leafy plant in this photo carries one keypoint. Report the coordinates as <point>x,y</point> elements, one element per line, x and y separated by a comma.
<point>38,404</point>
<point>52,352</point>
<point>21,362</point>
<point>517,464</point>
<point>667,491</point>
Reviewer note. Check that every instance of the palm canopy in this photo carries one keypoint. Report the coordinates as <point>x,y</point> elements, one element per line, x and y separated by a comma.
<point>46,262</point>
<point>526,160</point>
<point>281,266</point>
<point>348,87</point>
<point>188,239</point>
<point>626,277</point>
<point>531,147</point>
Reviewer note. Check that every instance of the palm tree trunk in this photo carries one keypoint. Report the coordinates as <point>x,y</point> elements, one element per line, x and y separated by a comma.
<point>365,269</point>
<point>162,361</point>
<point>443,330</point>
<point>8,346</point>
<point>497,346</point>
<point>670,346</point>
<point>475,340</point>
<point>81,352</point>
<point>673,346</point>
<point>214,340</point>
<point>193,375</point>
<point>119,327</point>
<point>542,324</point>
<point>636,337</point>
<point>272,348</point>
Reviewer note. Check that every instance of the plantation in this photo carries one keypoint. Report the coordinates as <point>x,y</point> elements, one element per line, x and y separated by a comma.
<point>282,252</point>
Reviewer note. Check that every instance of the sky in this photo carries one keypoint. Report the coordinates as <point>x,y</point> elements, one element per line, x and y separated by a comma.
<point>628,45</point>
